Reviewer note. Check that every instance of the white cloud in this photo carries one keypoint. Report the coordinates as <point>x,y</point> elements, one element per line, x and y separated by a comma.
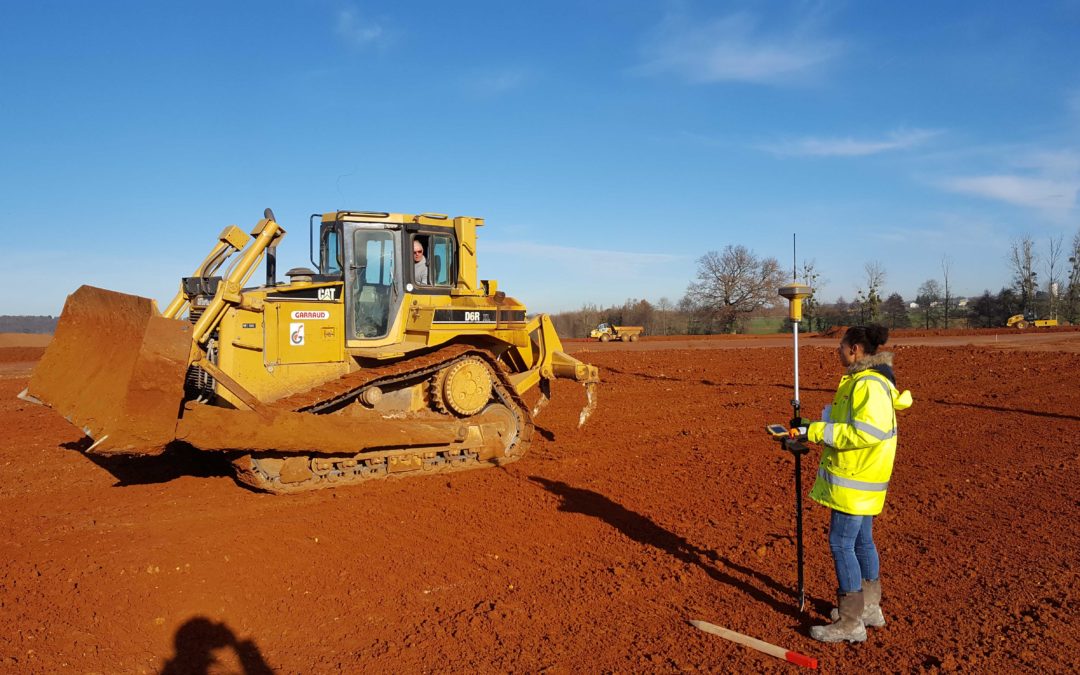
<point>1047,181</point>
<point>736,48</point>
<point>355,30</point>
<point>1037,193</point>
<point>496,81</point>
<point>1072,103</point>
<point>1051,162</point>
<point>851,147</point>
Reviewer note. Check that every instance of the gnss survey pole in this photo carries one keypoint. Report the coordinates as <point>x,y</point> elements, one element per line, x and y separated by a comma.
<point>795,293</point>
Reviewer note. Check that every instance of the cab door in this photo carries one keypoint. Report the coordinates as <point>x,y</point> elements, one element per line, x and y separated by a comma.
<point>374,280</point>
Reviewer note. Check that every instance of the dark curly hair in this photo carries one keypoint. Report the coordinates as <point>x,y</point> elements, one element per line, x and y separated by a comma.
<point>869,337</point>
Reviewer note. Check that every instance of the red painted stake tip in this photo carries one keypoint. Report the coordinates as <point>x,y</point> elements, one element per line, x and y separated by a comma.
<point>801,659</point>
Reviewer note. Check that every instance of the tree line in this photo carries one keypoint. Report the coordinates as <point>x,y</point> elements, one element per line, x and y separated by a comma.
<point>27,324</point>
<point>734,285</point>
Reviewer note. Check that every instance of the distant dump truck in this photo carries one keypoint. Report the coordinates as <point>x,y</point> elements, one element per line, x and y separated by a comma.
<point>606,332</point>
<point>1022,321</point>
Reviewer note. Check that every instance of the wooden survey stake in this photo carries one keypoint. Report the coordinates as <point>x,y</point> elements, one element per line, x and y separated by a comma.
<point>754,643</point>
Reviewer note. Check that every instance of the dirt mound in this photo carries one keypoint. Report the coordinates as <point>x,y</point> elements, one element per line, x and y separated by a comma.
<point>941,332</point>
<point>590,554</point>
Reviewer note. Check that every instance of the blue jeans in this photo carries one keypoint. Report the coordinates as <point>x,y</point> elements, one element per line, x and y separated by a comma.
<point>851,539</point>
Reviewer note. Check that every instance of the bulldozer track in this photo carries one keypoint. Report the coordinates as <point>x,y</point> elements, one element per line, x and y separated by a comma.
<point>339,470</point>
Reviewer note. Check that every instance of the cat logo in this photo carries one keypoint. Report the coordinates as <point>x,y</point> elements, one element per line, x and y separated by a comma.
<point>327,294</point>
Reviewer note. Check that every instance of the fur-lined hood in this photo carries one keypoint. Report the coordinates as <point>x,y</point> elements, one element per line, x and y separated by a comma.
<point>880,362</point>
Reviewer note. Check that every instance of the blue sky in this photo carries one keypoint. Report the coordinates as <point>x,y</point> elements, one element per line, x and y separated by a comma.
<point>607,143</point>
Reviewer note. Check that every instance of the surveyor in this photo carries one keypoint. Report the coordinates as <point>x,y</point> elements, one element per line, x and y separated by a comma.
<point>859,434</point>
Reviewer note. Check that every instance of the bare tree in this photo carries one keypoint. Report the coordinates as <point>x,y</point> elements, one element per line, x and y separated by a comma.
<point>1053,285</point>
<point>812,278</point>
<point>946,265</point>
<point>1073,291</point>
<point>734,283</point>
<point>875,280</point>
<point>637,313</point>
<point>1022,263</point>
<point>663,311</point>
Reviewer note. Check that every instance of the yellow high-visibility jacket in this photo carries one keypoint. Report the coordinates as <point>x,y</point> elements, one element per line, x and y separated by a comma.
<point>859,434</point>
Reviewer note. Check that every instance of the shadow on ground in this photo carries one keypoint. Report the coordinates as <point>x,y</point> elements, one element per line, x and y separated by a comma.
<point>178,460</point>
<point>997,408</point>
<point>643,530</point>
<point>201,643</point>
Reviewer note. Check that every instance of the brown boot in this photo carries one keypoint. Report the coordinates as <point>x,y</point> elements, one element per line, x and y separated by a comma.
<point>871,614</point>
<point>849,626</point>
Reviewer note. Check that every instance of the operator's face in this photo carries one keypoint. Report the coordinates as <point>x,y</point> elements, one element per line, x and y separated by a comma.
<point>417,251</point>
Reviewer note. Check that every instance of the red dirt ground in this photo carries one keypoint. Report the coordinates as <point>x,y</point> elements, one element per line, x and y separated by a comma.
<point>588,555</point>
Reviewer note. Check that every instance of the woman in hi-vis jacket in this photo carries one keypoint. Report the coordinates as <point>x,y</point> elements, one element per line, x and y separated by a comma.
<point>858,432</point>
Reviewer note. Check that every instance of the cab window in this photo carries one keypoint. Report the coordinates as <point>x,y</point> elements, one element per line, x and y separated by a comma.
<point>330,262</point>
<point>441,263</point>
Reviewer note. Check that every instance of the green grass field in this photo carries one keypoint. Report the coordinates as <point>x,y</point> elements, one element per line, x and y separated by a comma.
<point>759,325</point>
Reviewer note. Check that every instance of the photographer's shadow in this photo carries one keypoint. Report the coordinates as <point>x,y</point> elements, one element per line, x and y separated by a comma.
<point>198,644</point>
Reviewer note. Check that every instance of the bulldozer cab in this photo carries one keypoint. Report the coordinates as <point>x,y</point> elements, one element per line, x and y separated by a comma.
<point>375,261</point>
<point>366,257</point>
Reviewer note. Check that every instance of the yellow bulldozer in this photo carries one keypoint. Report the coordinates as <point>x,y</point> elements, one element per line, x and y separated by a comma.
<point>390,358</point>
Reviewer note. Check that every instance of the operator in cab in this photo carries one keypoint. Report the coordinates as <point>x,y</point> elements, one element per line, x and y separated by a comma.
<point>420,267</point>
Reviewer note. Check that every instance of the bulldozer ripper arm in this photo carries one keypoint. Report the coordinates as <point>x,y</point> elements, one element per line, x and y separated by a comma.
<point>554,363</point>
<point>267,233</point>
<point>231,240</point>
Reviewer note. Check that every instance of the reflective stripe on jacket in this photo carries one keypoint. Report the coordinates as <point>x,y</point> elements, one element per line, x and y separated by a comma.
<point>859,434</point>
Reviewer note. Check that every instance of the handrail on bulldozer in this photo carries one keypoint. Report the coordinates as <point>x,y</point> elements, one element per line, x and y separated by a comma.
<point>231,240</point>
<point>267,232</point>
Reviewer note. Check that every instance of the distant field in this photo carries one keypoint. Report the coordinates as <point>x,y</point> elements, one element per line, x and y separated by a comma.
<point>24,339</point>
<point>760,325</point>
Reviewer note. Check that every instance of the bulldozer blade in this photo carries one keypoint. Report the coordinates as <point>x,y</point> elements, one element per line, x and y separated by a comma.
<point>115,368</point>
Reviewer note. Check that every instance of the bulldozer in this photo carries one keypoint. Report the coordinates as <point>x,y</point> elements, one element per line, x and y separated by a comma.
<point>388,358</point>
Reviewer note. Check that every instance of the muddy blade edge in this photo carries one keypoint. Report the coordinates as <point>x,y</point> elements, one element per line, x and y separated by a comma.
<point>115,369</point>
